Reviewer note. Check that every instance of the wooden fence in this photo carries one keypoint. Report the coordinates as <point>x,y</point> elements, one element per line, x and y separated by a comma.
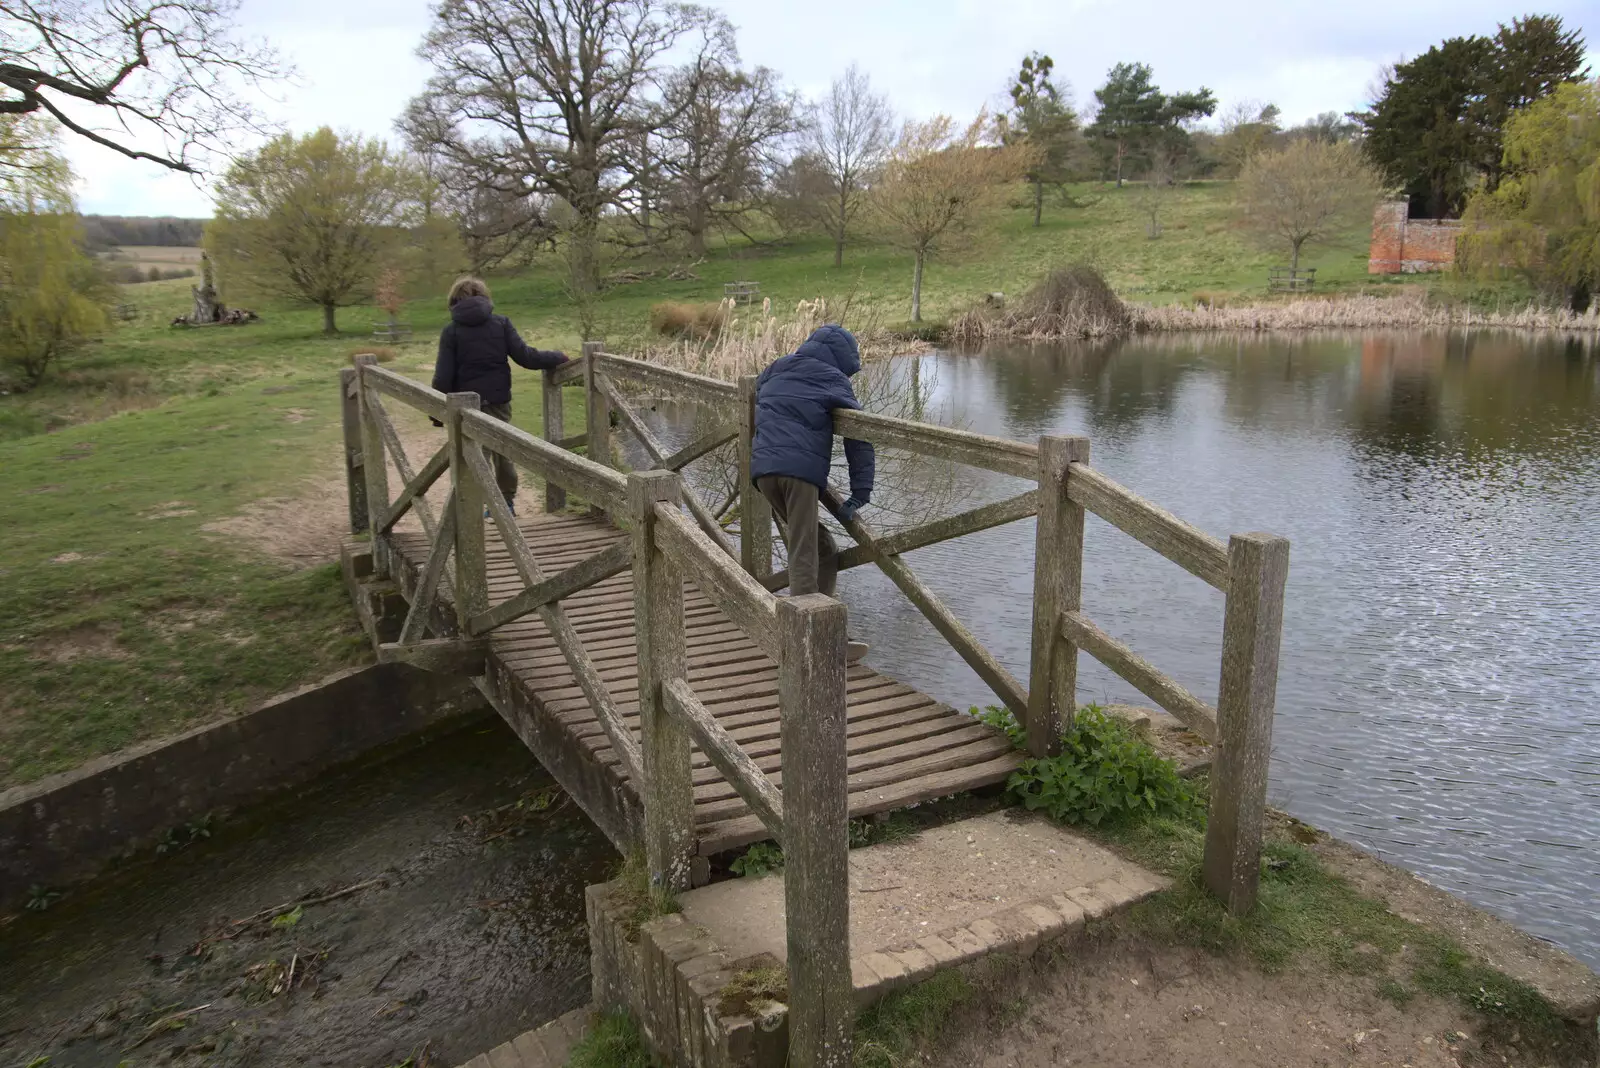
<point>805,636</point>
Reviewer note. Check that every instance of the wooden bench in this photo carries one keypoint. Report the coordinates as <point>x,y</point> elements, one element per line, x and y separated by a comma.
<point>741,292</point>
<point>1291,280</point>
<point>391,331</point>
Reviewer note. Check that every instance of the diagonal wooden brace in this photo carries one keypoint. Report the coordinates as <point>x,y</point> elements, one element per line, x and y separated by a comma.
<point>441,656</point>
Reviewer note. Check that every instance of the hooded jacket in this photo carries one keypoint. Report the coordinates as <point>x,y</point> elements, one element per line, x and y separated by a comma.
<point>473,353</point>
<point>795,399</point>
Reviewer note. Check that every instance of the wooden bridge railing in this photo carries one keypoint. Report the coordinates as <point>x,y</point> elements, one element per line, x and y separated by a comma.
<point>805,636</point>
<point>809,814</point>
<point>1250,570</point>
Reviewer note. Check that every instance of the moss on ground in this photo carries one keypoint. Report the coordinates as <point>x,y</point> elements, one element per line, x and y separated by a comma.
<point>644,900</point>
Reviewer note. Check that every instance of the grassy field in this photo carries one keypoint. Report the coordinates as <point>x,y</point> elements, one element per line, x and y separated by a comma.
<point>159,255</point>
<point>122,617</point>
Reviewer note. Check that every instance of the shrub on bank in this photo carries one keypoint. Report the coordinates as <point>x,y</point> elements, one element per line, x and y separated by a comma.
<point>1106,772</point>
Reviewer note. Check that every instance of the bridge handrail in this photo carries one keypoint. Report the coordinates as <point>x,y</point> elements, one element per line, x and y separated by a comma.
<point>810,815</point>
<point>727,585</point>
<point>1250,570</point>
<point>600,485</point>
<point>407,390</point>
<point>668,379</point>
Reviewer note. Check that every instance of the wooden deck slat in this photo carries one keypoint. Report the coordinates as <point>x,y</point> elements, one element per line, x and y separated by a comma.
<point>902,746</point>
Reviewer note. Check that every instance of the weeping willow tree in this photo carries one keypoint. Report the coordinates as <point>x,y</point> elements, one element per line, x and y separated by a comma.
<point>1543,219</point>
<point>53,296</point>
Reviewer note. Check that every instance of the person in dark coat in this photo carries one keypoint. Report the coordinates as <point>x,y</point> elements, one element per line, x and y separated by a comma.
<point>796,397</point>
<point>475,351</point>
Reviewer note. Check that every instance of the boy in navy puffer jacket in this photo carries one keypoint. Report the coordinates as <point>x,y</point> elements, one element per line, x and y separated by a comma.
<point>793,450</point>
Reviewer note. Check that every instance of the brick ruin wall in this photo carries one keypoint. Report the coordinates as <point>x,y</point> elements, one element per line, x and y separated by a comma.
<point>1402,245</point>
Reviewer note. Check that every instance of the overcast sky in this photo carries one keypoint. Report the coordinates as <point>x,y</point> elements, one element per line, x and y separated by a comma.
<point>357,66</point>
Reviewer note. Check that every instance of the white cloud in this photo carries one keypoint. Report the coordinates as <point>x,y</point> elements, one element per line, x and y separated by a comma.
<point>358,66</point>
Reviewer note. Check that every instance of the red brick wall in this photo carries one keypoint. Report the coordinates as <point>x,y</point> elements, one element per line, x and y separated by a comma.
<point>1404,245</point>
<point>1388,237</point>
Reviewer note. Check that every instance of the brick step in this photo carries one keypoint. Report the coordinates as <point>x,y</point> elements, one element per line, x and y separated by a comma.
<point>543,1047</point>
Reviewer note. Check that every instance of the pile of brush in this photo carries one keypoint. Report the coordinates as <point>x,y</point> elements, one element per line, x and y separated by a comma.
<point>1069,302</point>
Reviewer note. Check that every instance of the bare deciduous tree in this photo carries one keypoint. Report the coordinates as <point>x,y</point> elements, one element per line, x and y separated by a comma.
<point>1248,127</point>
<point>174,67</point>
<point>849,135</point>
<point>1156,190</point>
<point>721,141</point>
<point>550,96</point>
<point>936,185</point>
<point>1307,192</point>
<point>499,222</point>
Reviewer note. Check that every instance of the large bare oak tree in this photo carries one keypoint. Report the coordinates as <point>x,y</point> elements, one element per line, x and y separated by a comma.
<point>553,96</point>
<point>724,129</point>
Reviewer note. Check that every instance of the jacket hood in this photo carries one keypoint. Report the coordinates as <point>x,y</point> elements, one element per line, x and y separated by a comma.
<point>472,311</point>
<point>833,345</point>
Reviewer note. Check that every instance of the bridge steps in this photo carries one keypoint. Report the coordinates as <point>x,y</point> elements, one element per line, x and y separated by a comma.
<point>1004,883</point>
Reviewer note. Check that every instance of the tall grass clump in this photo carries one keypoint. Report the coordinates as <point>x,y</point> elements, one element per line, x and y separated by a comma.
<point>1069,302</point>
<point>742,341</point>
<point>698,322</point>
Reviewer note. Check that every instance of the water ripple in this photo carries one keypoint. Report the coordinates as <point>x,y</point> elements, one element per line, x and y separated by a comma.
<point>1441,657</point>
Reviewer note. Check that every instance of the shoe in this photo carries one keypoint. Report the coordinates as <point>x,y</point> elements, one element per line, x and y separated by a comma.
<point>854,651</point>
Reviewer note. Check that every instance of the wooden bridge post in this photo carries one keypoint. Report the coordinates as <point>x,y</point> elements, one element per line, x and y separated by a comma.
<point>472,575</point>
<point>1057,588</point>
<point>599,409</point>
<point>374,469</point>
<point>354,472</point>
<point>668,787</point>
<point>1258,568</point>
<point>816,832</point>
<point>555,497</point>
<point>755,514</point>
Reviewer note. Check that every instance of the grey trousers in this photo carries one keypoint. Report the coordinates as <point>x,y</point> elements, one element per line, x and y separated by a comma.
<point>813,556</point>
<point>505,472</point>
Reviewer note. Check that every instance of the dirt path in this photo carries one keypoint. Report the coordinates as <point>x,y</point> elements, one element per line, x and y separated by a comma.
<point>1121,1000</point>
<point>306,527</point>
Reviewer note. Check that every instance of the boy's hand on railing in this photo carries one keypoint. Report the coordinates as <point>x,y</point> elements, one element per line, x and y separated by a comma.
<point>847,510</point>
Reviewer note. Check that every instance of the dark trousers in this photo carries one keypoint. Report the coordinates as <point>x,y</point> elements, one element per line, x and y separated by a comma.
<point>505,472</point>
<point>813,556</point>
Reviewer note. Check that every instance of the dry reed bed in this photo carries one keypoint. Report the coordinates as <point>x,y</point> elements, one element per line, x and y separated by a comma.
<point>747,339</point>
<point>1353,313</point>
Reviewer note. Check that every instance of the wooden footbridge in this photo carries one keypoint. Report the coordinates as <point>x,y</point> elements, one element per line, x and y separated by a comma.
<point>641,652</point>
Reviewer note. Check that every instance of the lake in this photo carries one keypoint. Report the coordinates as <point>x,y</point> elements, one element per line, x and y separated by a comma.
<point>1439,693</point>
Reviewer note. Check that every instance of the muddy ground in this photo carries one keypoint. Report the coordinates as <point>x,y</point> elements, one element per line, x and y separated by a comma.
<point>444,915</point>
<point>1117,1000</point>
